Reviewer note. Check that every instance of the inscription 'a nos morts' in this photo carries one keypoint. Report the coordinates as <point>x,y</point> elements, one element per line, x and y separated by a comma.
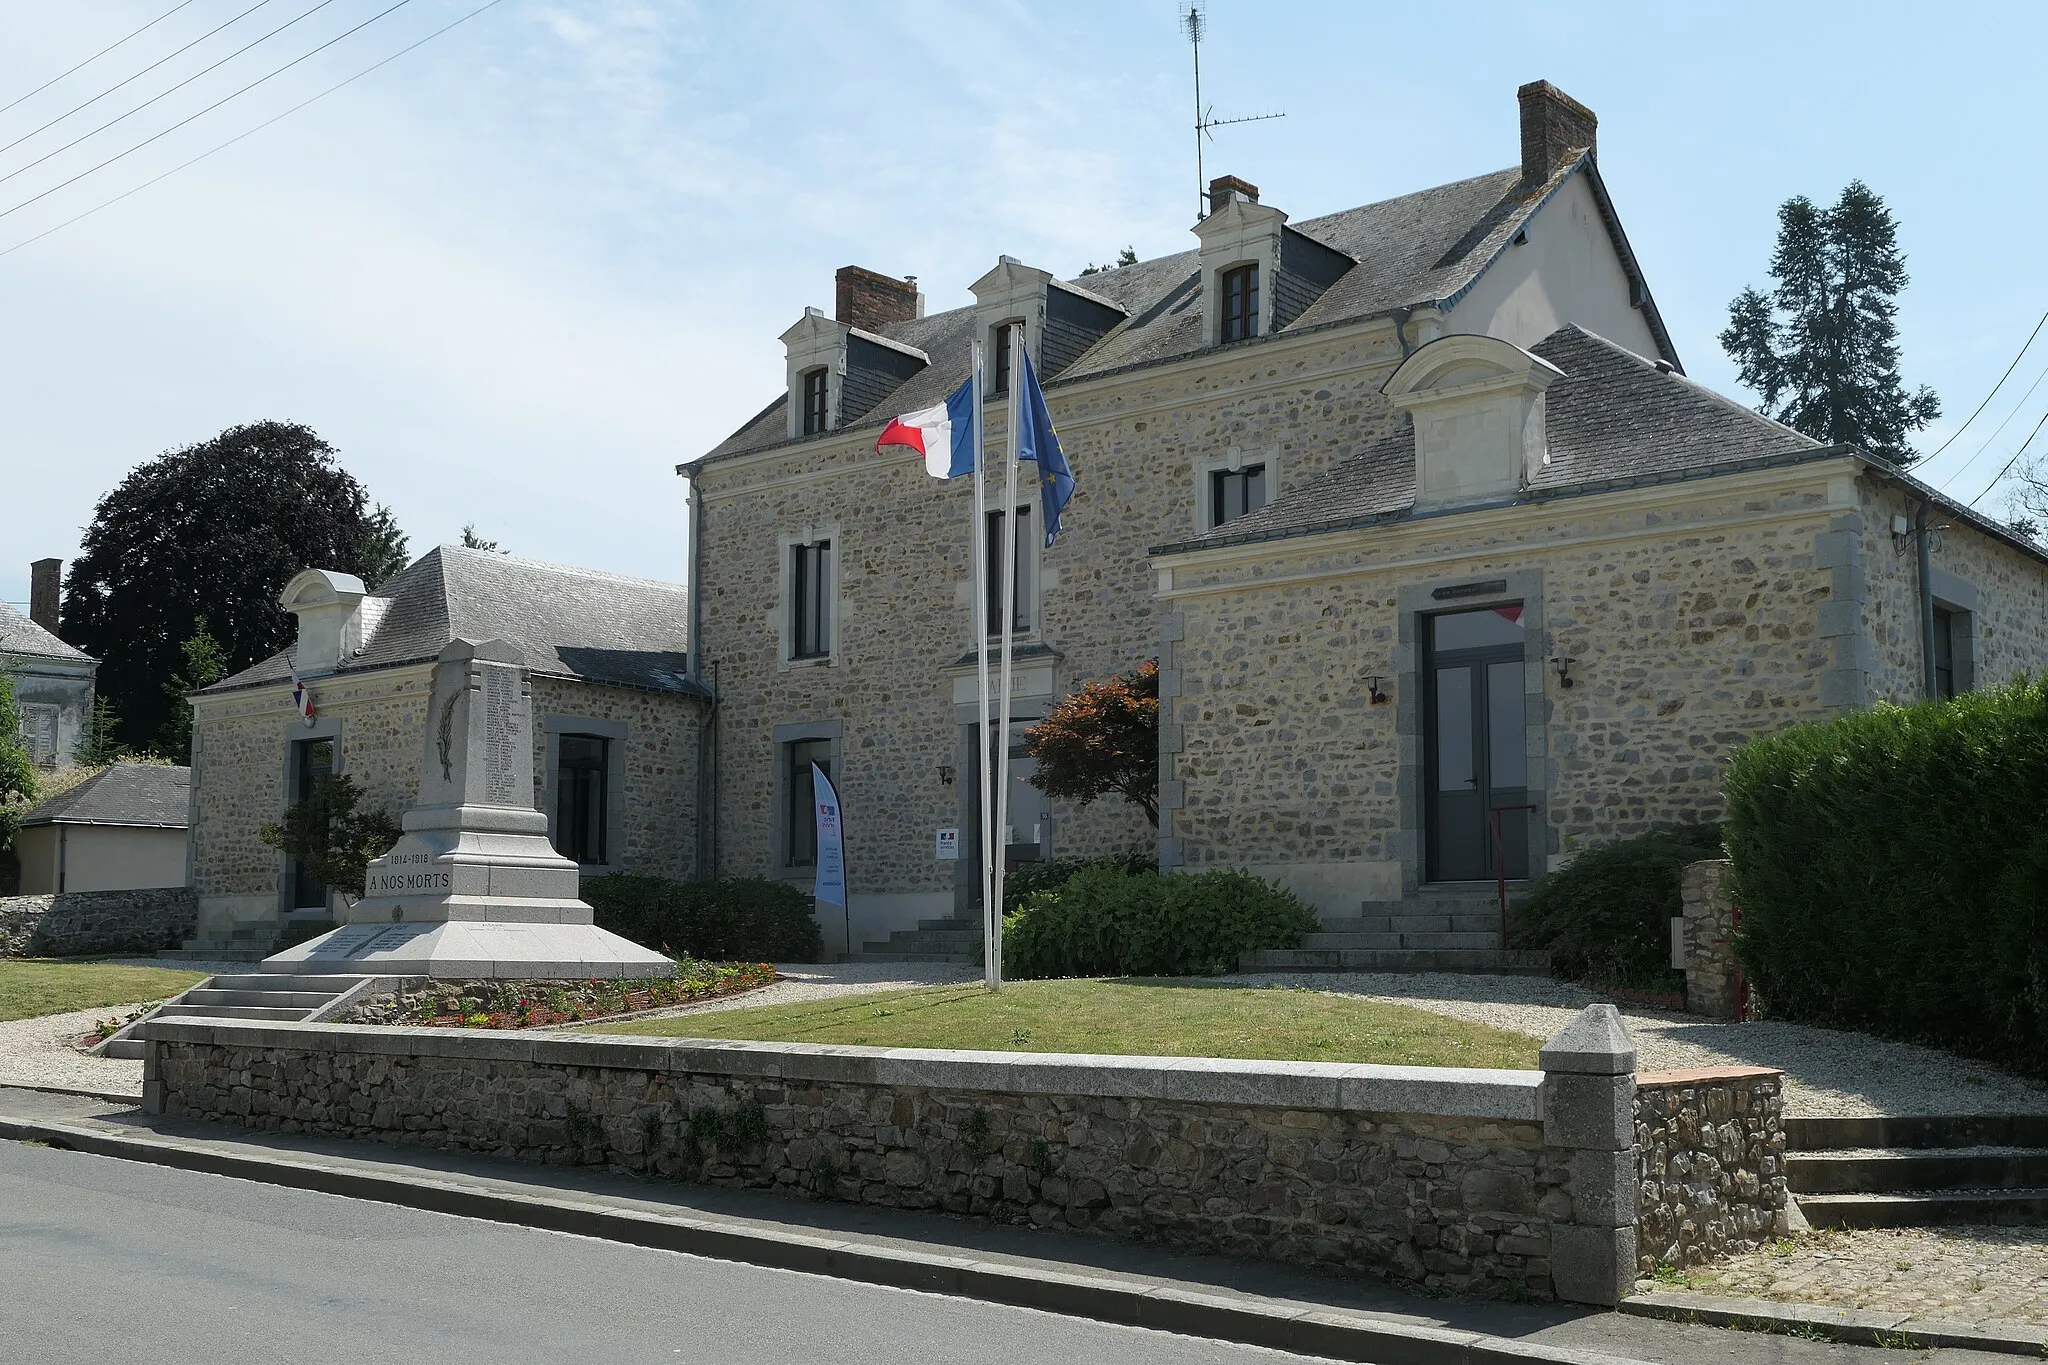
<point>501,736</point>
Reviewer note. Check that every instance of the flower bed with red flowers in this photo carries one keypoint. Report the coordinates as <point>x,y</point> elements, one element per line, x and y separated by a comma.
<point>534,1004</point>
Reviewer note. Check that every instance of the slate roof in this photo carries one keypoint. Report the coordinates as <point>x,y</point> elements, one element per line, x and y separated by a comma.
<point>570,622</point>
<point>154,794</point>
<point>1418,249</point>
<point>1613,417</point>
<point>19,635</point>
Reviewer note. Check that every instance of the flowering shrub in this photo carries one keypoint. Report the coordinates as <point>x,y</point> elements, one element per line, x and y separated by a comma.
<point>530,1004</point>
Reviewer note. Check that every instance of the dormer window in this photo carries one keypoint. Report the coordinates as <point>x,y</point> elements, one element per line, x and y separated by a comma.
<point>1239,287</point>
<point>1235,493</point>
<point>817,397</point>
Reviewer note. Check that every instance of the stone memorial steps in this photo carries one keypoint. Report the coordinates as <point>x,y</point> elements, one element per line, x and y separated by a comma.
<point>1417,923</point>
<point>1885,1172</point>
<point>1451,929</point>
<point>292,999</point>
<point>251,944</point>
<point>933,940</point>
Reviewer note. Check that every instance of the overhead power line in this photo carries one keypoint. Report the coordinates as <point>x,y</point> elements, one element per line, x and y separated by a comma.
<point>136,77</point>
<point>1978,453</point>
<point>2014,460</point>
<point>159,95</point>
<point>1994,389</point>
<point>203,112</point>
<point>8,251</point>
<point>94,57</point>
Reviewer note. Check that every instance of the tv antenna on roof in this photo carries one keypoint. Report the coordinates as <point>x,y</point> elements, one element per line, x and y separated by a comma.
<point>1194,22</point>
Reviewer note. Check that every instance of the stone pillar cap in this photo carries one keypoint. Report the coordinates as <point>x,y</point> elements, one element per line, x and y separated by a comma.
<point>491,651</point>
<point>1594,1044</point>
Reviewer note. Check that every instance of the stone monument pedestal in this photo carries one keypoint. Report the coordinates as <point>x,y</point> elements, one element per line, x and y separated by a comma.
<point>473,888</point>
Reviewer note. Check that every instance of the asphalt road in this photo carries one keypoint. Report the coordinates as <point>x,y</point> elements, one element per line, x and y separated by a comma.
<point>104,1260</point>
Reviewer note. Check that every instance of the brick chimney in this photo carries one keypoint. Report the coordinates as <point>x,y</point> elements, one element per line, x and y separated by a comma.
<point>1225,188</point>
<point>1554,127</point>
<point>872,301</point>
<point>45,578</point>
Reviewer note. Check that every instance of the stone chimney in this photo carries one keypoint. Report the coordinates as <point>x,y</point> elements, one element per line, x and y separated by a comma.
<point>872,301</point>
<point>45,580</point>
<point>1554,127</point>
<point>1225,188</point>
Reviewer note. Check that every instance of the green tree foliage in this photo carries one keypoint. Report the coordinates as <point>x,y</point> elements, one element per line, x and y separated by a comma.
<point>1892,870</point>
<point>741,919</point>
<point>472,541</point>
<point>334,835</point>
<point>384,551</point>
<point>202,668</point>
<point>1822,348</point>
<point>97,744</point>
<point>1102,739</point>
<point>1605,917</point>
<point>1107,920</point>
<point>18,785</point>
<point>216,528</point>
<point>1128,256</point>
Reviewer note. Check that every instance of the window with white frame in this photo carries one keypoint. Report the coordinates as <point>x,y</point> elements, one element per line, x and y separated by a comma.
<point>817,397</point>
<point>1235,493</point>
<point>1239,288</point>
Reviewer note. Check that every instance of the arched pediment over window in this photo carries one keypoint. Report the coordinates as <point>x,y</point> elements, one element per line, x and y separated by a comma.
<point>1477,405</point>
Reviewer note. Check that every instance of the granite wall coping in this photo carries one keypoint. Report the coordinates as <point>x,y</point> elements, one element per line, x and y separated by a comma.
<point>1459,1092</point>
<point>1702,1075</point>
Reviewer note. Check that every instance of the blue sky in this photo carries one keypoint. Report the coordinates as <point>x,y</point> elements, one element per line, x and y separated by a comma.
<point>518,274</point>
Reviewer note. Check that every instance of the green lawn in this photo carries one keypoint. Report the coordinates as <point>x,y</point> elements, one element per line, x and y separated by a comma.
<point>34,986</point>
<point>1174,1018</point>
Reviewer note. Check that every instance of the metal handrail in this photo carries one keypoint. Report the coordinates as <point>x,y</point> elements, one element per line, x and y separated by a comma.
<point>1500,861</point>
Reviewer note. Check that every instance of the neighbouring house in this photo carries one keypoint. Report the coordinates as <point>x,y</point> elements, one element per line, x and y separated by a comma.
<point>1536,616</point>
<point>832,583</point>
<point>53,683</point>
<point>616,720</point>
<point>122,829</point>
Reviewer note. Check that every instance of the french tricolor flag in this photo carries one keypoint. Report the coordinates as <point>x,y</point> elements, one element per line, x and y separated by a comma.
<point>942,433</point>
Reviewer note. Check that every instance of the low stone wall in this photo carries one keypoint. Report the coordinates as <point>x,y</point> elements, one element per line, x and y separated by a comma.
<point>81,923</point>
<point>1712,1146</point>
<point>1497,1183</point>
<point>1710,966</point>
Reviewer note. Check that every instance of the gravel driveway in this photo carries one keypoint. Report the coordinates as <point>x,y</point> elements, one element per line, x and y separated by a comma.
<point>1827,1073</point>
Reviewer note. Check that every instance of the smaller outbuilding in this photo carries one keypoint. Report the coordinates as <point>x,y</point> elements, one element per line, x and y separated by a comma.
<point>122,829</point>
<point>53,682</point>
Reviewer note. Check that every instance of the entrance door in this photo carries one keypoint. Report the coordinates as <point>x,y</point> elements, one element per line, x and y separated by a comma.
<point>313,762</point>
<point>1029,836</point>
<point>1475,751</point>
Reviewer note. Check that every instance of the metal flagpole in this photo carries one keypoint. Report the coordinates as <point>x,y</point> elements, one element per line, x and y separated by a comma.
<point>985,811</point>
<point>1015,429</point>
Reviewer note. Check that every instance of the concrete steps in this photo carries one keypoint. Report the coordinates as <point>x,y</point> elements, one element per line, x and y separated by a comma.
<point>1436,930</point>
<point>1919,1171</point>
<point>956,941</point>
<point>244,944</point>
<point>257,995</point>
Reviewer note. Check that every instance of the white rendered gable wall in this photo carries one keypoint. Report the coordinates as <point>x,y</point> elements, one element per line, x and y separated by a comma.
<point>1568,271</point>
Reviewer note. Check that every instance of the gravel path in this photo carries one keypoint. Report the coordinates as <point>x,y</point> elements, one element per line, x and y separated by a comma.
<point>1827,1073</point>
<point>39,1052</point>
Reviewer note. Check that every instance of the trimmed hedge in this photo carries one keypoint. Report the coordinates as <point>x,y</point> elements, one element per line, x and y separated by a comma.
<point>1107,920</point>
<point>1026,880</point>
<point>1605,917</point>
<point>741,919</point>
<point>1892,869</point>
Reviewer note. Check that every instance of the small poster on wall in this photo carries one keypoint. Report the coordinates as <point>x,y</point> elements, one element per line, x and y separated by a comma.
<point>949,845</point>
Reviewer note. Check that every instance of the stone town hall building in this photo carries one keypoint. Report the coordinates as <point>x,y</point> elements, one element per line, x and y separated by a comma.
<point>1412,502</point>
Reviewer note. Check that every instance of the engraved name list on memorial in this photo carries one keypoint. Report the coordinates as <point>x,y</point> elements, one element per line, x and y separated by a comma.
<point>501,736</point>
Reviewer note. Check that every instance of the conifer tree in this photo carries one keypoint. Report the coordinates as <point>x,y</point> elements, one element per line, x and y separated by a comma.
<point>1822,347</point>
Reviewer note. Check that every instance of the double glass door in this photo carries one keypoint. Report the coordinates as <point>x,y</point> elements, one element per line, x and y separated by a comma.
<point>1475,756</point>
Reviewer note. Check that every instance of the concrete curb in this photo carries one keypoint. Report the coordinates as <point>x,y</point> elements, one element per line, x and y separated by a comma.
<point>1338,1334</point>
<point>1853,1326</point>
<point>105,1096</point>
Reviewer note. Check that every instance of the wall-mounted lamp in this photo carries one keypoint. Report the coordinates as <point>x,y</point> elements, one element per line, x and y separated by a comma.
<point>1373,686</point>
<point>1563,666</point>
<point>946,774</point>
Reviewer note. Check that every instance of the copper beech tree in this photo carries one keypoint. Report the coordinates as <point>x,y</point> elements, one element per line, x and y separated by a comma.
<point>1102,739</point>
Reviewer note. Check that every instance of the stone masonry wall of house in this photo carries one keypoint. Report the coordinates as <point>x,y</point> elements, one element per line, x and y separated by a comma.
<point>378,720</point>
<point>1492,1183</point>
<point>1711,969</point>
<point>660,757</point>
<point>1711,1143</point>
<point>2008,587</point>
<point>905,608</point>
<point>76,923</point>
<point>1690,614</point>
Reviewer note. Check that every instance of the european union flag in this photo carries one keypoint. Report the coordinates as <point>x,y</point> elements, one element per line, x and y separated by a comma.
<point>1039,443</point>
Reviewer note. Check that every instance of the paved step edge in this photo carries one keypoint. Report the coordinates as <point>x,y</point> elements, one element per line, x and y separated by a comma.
<point>1849,1325</point>
<point>1339,1334</point>
<point>1917,1132</point>
<point>1909,1171</point>
<point>1934,1208</point>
